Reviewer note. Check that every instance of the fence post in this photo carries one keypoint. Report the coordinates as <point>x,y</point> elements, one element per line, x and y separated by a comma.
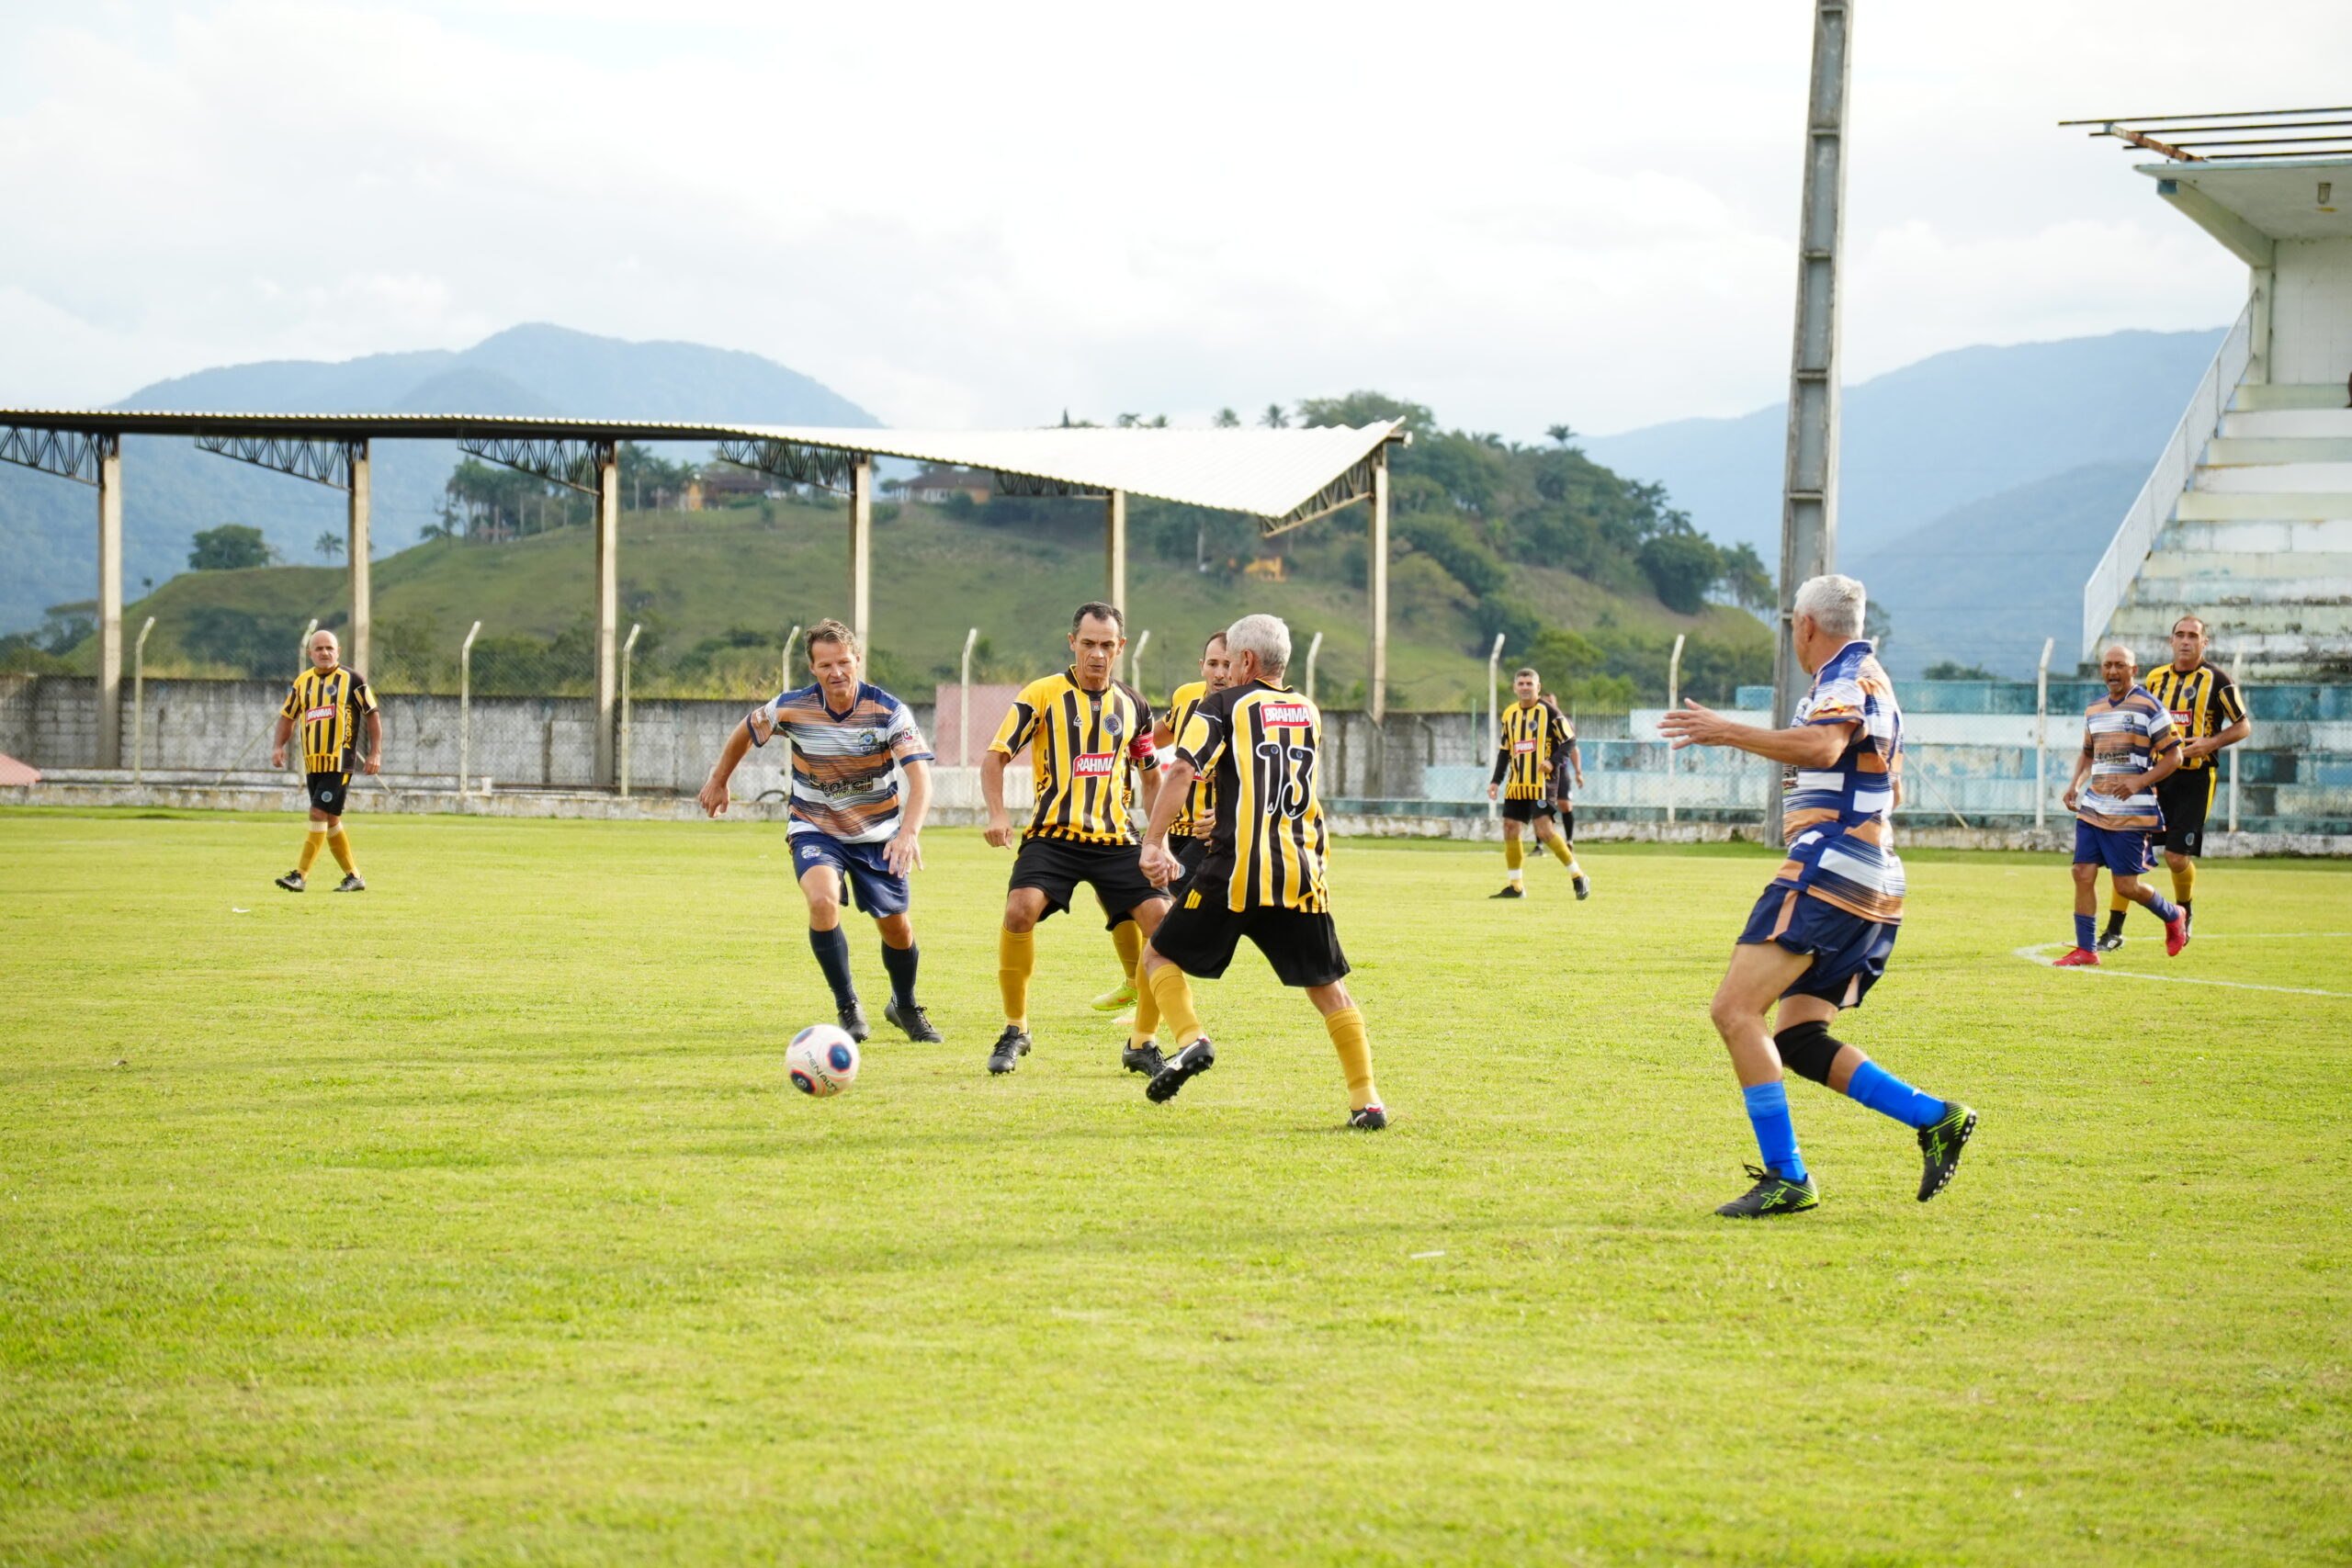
<point>964,735</point>
<point>1673,701</point>
<point>2237,679</point>
<point>1494,706</point>
<point>628,652</point>
<point>2041,735</point>
<point>465,711</point>
<point>1312,648</point>
<point>1135,661</point>
<point>791,641</point>
<point>140,704</point>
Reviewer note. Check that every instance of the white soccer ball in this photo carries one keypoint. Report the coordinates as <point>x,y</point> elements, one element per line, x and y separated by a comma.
<point>823,1060</point>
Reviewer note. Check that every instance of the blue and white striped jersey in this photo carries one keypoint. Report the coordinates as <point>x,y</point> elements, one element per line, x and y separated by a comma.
<point>844,766</point>
<point>1835,820</point>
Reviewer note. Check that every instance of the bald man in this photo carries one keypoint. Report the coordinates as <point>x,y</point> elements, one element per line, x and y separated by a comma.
<point>328,704</point>
<point>2129,748</point>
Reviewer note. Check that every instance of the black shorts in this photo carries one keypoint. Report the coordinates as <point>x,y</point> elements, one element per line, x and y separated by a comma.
<point>1199,934</point>
<point>1525,810</point>
<point>1189,853</point>
<point>330,792</point>
<point>1056,866</point>
<point>2185,799</point>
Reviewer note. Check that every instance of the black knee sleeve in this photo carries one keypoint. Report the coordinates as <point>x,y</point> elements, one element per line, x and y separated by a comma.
<point>1807,1049</point>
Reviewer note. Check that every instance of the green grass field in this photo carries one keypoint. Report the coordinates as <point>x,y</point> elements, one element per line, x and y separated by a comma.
<point>473,1221</point>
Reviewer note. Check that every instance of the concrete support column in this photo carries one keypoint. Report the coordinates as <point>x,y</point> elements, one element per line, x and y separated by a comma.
<point>109,601</point>
<point>1115,550</point>
<point>860,549</point>
<point>2264,284</point>
<point>1376,688</point>
<point>608,606</point>
<point>355,548</point>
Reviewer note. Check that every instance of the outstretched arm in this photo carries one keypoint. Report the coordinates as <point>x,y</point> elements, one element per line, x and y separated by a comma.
<point>731,756</point>
<point>1803,745</point>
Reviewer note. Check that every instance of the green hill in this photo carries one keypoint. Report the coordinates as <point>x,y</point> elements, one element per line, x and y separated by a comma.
<point>715,593</point>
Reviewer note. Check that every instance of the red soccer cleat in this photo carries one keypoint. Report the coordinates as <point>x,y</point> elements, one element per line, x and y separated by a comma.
<point>2176,935</point>
<point>2079,958</point>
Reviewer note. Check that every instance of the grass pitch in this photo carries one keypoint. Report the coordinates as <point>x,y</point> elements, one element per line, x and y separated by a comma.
<point>472,1220</point>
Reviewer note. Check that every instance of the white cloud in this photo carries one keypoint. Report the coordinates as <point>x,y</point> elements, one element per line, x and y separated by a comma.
<point>964,215</point>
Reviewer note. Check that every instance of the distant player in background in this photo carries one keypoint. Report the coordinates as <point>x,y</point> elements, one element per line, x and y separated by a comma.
<point>1088,734</point>
<point>854,830</point>
<point>1532,739</point>
<point>2206,715</point>
<point>1568,777</point>
<point>330,704</point>
<point>1819,938</point>
<point>1261,744</point>
<point>2129,749</point>
<point>1190,830</point>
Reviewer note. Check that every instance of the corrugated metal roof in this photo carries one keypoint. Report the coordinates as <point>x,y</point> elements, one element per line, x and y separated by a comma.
<point>1274,474</point>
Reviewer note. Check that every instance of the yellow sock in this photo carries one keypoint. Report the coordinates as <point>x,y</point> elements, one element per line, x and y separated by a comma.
<point>1354,1047</point>
<point>1174,995</point>
<point>339,843</point>
<point>1514,855</point>
<point>1016,958</point>
<point>1560,851</point>
<point>2183,883</point>
<point>1147,1022</point>
<point>311,845</point>
<point>1127,937</point>
<point>2115,902</point>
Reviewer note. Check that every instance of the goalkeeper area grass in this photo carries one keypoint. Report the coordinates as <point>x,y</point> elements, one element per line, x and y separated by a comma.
<point>473,1220</point>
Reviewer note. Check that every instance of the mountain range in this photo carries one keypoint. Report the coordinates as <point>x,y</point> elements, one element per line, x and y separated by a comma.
<point>1976,488</point>
<point>47,525</point>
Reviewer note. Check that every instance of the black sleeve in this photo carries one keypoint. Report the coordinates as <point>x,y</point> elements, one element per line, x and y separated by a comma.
<point>1502,762</point>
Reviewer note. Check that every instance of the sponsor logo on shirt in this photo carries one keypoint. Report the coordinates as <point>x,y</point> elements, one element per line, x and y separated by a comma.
<point>1523,746</point>
<point>1283,715</point>
<point>1093,764</point>
<point>327,712</point>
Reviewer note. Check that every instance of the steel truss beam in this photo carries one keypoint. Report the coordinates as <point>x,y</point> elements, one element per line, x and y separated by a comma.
<point>68,454</point>
<point>1033,485</point>
<point>827,467</point>
<point>571,464</point>
<point>321,462</point>
<point>1343,491</point>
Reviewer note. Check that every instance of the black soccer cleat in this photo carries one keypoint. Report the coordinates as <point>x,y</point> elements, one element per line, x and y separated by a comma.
<point>1772,1195</point>
<point>2110,940</point>
<point>1584,888</point>
<point>292,882</point>
<point>1143,1058</point>
<point>1010,1046</point>
<point>912,1020</point>
<point>1370,1119</point>
<point>351,884</point>
<point>854,1022</point>
<point>1940,1142</point>
<point>1182,1068</point>
<point>1511,890</point>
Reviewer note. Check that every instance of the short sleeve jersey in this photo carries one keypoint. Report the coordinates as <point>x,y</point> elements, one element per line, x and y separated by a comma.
<point>326,710</point>
<point>845,776</point>
<point>1835,819</point>
<point>1090,748</point>
<point>1532,737</point>
<point>2124,735</point>
<point>1261,746</point>
<point>1199,812</point>
<point>2202,702</point>
<point>1563,775</point>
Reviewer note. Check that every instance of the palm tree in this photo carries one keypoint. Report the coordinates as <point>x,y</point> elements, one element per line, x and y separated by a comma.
<point>1227,420</point>
<point>1273,418</point>
<point>1560,433</point>
<point>329,545</point>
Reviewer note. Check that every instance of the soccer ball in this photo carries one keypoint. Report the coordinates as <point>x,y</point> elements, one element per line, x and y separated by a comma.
<point>823,1060</point>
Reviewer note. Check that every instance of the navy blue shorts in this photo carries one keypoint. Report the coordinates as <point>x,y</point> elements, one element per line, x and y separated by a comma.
<point>862,865</point>
<point>1849,952</point>
<point>2125,852</point>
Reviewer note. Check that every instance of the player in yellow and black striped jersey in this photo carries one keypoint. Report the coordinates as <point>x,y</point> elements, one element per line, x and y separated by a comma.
<point>1261,745</point>
<point>1533,739</point>
<point>2208,716</point>
<point>332,706</point>
<point>1088,737</point>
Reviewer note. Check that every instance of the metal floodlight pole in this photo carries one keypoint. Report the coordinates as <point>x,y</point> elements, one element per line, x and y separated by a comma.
<point>466,712</point>
<point>110,456</point>
<point>139,703</point>
<point>964,736</point>
<point>1134,660</point>
<point>628,654</point>
<point>1494,706</point>
<point>2041,735</point>
<point>1673,701</point>
<point>1809,492</point>
<point>2237,679</point>
<point>1312,648</point>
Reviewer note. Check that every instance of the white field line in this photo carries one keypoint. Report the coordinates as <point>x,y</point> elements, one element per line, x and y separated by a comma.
<point>2042,952</point>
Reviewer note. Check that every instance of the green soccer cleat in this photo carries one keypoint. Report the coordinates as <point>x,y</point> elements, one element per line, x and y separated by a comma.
<point>1772,1195</point>
<point>1118,997</point>
<point>1940,1142</point>
<point>1010,1046</point>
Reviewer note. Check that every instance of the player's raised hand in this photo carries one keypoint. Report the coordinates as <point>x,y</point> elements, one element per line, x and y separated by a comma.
<point>903,853</point>
<point>713,796</point>
<point>1693,723</point>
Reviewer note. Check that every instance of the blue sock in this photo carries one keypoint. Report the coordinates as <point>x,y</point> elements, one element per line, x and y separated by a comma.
<point>831,949</point>
<point>1889,1096</point>
<point>2085,930</point>
<point>899,961</point>
<point>2163,907</point>
<point>1776,1135</point>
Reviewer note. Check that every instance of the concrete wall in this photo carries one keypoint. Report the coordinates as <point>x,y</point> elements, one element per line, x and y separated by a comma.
<point>2311,320</point>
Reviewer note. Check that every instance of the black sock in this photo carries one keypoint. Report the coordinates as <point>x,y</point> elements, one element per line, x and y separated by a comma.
<point>2115,920</point>
<point>831,949</point>
<point>900,963</point>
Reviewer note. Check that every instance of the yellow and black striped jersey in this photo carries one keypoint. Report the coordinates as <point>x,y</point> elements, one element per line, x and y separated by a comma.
<point>326,710</point>
<point>2202,702</point>
<point>1260,744</point>
<point>1533,740</point>
<point>1087,749</point>
<point>1199,813</point>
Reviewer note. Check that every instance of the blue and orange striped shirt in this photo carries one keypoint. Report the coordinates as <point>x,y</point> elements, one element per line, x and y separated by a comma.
<point>844,766</point>
<point>1835,820</point>
<point>2124,735</point>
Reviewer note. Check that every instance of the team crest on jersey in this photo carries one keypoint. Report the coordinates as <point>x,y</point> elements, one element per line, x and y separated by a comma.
<point>1093,764</point>
<point>1283,715</point>
<point>868,738</point>
<point>1111,725</point>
